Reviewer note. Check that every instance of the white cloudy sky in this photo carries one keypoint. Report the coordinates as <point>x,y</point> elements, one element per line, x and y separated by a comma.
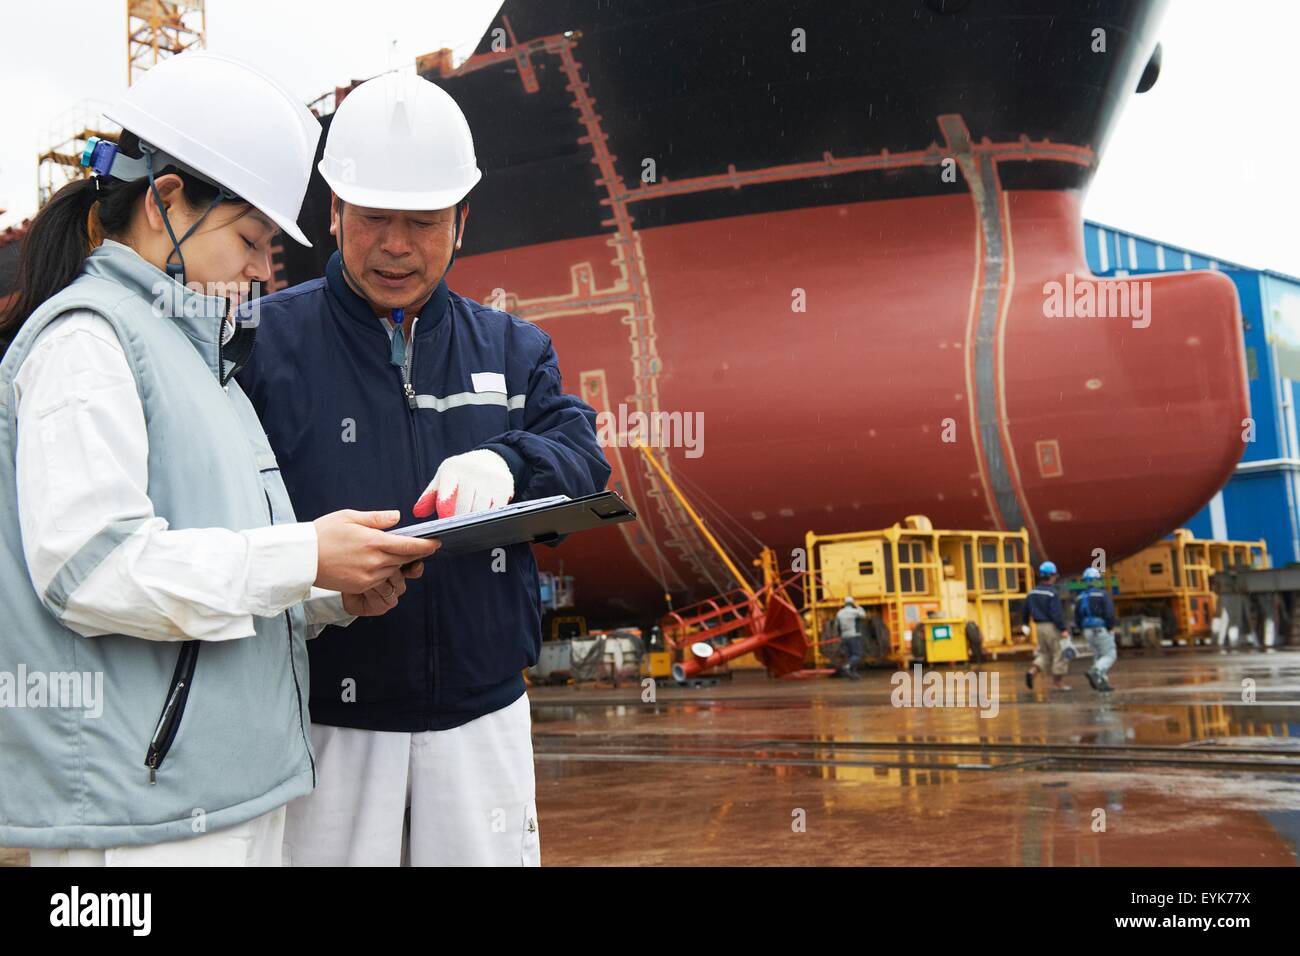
<point>1205,160</point>
<point>61,53</point>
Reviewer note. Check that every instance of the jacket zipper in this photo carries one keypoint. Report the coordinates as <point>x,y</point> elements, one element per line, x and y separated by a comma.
<point>297,688</point>
<point>412,404</point>
<point>407,389</point>
<point>173,709</point>
<point>222,378</point>
<point>432,657</point>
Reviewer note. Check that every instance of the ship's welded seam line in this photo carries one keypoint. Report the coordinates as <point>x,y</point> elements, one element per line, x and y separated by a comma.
<point>630,295</point>
<point>1008,285</point>
<point>957,139</point>
<point>595,380</point>
<point>985,190</point>
<point>838,166</point>
<point>977,281</point>
<point>989,210</point>
<point>639,317</point>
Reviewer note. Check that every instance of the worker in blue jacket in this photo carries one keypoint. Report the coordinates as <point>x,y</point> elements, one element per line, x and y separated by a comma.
<point>369,382</point>
<point>1043,607</point>
<point>1094,615</point>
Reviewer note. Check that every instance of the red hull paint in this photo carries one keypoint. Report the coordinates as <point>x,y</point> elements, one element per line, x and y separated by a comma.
<point>834,419</point>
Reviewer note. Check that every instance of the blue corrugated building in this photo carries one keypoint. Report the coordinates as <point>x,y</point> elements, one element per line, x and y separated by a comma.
<point>1262,500</point>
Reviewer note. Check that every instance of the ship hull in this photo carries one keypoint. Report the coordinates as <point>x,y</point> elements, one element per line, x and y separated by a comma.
<point>837,259</point>
<point>868,406</point>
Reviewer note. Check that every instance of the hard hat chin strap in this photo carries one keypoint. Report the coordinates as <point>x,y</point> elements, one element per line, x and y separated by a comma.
<point>455,238</point>
<point>343,259</point>
<point>176,270</point>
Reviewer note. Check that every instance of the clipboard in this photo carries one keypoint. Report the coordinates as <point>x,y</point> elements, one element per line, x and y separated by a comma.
<point>527,522</point>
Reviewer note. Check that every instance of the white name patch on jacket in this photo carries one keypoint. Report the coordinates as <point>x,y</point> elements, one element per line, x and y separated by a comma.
<point>488,382</point>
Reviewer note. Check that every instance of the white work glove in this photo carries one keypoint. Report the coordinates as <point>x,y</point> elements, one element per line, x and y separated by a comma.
<point>474,481</point>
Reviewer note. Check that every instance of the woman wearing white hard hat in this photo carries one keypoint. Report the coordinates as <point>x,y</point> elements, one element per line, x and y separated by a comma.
<point>156,588</point>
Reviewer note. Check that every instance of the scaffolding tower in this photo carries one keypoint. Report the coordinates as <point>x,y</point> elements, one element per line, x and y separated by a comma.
<point>157,29</point>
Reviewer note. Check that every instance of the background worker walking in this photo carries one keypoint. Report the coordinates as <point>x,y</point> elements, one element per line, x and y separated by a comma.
<point>1094,614</point>
<point>1043,607</point>
<point>849,622</point>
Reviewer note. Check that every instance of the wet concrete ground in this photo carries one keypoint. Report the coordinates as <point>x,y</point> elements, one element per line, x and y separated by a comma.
<point>1175,765</point>
<point>1193,760</point>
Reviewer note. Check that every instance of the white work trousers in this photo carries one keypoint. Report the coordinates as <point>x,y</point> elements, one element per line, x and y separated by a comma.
<point>256,842</point>
<point>470,792</point>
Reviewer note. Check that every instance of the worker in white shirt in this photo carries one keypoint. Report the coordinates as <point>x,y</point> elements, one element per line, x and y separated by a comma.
<point>850,622</point>
<point>142,518</point>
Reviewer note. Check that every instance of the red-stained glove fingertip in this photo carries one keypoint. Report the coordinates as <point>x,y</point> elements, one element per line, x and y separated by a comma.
<point>447,505</point>
<point>424,507</point>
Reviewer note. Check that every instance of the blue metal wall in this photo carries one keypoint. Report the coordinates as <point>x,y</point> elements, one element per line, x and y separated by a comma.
<point>1262,500</point>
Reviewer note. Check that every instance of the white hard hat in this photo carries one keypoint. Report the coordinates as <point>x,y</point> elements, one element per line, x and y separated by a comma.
<point>399,142</point>
<point>231,124</point>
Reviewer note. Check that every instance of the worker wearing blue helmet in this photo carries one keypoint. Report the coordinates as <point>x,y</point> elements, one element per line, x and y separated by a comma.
<point>1043,607</point>
<point>1094,614</point>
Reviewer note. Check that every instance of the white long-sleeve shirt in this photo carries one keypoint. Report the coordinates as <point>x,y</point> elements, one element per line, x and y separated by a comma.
<point>82,463</point>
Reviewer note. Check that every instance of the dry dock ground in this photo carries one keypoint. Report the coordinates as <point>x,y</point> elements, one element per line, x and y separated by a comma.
<point>1175,766</point>
<point>1193,760</point>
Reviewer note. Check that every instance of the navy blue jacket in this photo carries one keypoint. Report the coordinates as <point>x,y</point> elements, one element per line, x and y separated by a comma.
<point>1042,604</point>
<point>336,411</point>
<point>1094,608</point>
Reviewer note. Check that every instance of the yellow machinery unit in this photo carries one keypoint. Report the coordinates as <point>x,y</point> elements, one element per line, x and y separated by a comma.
<point>1171,580</point>
<point>912,573</point>
<point>945,640</point>
<point>657,664</point>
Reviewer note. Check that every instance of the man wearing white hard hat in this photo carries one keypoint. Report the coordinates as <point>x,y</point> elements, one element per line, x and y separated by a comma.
<point>378,382</point>
<point>156,587</point>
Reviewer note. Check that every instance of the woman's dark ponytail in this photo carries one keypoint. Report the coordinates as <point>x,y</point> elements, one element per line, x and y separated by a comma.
<point>52,253</point>
<point>60,237</point>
